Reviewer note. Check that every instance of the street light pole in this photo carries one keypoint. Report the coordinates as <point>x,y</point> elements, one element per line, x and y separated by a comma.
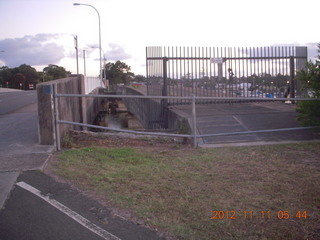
<point>84,62</point>
<point>83,4</point>
<point>103,66</point>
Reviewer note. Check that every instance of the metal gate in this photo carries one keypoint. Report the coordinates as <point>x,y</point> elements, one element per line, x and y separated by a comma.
<point>255,72</point>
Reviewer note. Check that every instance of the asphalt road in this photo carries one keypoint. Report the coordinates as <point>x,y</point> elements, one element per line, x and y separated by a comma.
<point>12,101</point>
<point>33,206</point>
<point>19,132</point>
<point>27,216</point>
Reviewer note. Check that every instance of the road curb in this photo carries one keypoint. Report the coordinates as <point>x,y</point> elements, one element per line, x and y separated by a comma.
<point>260,143</point>
<point>7,181</point>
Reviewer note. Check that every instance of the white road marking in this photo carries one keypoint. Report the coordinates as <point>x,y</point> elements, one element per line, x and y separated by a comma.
<point>75,216</point>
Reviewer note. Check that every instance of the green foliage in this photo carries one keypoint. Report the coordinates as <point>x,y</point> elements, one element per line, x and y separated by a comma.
<point>5,75</point>
<point>29,72</point>
<point>183,126</point>
<point>53,72</point>
<point>20,77</point>
<point>309,112</point>
<point>118,72</point>
<point>140,78</point>
<point>67,141</point>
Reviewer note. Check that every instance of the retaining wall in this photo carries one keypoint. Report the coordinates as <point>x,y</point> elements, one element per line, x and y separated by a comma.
<point>74,109</point>
<point>150,112</point>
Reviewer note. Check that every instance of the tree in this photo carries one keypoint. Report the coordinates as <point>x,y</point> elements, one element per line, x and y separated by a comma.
<point>5,75</point>
<point>140,78</point>
<point>29,73</point>
<point>23,76</point>
<point>118,72</point>
<point>309,111</point>
<point>53,72</point>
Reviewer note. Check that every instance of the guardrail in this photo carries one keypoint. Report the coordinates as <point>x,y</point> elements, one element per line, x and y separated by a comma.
<point>193,99</point>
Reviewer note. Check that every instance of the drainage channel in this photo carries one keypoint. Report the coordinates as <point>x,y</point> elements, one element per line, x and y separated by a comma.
<point>114,114</point>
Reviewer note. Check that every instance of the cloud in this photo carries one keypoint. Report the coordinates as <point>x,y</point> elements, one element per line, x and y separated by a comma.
<point>40,49</point>
<point>116,53</point>
<point>312,50</point>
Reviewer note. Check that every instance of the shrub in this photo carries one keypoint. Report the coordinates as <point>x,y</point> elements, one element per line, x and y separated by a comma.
<point>309,111</point>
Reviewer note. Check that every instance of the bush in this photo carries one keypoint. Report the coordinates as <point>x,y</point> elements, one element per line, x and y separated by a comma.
<point>309,111</point>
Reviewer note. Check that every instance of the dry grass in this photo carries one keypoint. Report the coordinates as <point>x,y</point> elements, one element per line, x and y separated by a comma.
<point>176,188</point>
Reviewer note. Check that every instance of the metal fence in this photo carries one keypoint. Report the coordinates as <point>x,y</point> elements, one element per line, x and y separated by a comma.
<point>261,72</point>
<point>193,99</point>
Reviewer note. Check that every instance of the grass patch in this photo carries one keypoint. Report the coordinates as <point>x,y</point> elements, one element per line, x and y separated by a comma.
<point>178,189</point>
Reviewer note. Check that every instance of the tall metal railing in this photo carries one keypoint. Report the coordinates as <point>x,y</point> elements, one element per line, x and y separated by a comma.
<point>257,72</point>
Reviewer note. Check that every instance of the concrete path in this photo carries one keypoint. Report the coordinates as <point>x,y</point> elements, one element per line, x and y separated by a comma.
<point>7,181</point>
<point>228,118</point>
<point>19,148</point>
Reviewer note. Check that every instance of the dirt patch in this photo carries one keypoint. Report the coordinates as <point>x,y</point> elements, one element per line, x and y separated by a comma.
<point>78,139</point>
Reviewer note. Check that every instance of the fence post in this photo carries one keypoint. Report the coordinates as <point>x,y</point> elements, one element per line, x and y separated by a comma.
<point>292,85</point>
<point>56,117</point>
<point>165,93</point>
<point>220,72</point>
<point>194,122</point>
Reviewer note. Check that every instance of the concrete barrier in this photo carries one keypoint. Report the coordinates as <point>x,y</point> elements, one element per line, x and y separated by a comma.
<point>82,110</point>
<point>152,114</point>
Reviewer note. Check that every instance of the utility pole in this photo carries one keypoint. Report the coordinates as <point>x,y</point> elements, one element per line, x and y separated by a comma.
<point>76,47</point>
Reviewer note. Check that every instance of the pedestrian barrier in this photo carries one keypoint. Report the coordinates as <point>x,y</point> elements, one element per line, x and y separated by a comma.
<point>193,123</point>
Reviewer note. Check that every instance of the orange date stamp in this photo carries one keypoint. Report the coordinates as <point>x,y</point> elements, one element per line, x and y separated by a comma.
<point>281,214</point>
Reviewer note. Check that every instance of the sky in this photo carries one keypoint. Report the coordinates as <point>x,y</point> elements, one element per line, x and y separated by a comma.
<point>41,32</point>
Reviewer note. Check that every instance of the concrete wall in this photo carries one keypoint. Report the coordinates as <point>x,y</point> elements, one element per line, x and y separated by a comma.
<point>150,112</point>
<point>91,106</point>
<point>73,109</point>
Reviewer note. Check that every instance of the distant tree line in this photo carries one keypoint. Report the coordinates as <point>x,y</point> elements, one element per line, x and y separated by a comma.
<point>278,81</point>
<point>26,77</point>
